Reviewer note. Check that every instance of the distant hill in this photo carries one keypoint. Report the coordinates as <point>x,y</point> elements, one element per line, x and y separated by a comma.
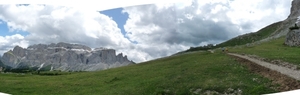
<point>252,37</point>
<point>243,39</point>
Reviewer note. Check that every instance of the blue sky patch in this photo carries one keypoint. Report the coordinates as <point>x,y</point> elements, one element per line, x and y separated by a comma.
<point>4,31</point>
<point>119,17</point>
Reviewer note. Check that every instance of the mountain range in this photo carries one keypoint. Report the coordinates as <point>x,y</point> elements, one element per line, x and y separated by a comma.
<point>64,57</point>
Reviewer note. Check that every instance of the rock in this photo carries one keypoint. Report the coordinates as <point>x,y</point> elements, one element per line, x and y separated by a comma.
<point>64,57</point>
<point>295,12</point>
<point>288,22</point>
<point>19,51</point>
<point>293,38</point>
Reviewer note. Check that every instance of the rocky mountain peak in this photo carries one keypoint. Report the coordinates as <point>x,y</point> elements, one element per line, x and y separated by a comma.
<point>19,51</point>
<point>285,24</point>
<point>64,56</point>
<point>293,34</point>
<point>295,12</point>
<point>59,45</point>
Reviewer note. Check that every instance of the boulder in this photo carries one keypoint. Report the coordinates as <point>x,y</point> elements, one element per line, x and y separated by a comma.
<point>293,38</point>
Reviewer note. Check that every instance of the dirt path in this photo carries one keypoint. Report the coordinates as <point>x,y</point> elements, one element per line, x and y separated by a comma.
<point>286,77</point>
<point>283,70</point>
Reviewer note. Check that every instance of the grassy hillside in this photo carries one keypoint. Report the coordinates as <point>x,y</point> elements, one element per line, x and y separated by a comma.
<point>244,39</point>
<point>273,50</point>
<point>252,37</point>
<point>181,75</point>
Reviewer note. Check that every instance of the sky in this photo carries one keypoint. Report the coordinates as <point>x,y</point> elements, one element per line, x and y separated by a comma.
<point>144,31</point>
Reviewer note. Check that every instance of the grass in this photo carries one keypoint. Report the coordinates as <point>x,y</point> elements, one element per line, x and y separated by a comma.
<point>273,50</point>
<point>180,75</point>
<point>252,37</point>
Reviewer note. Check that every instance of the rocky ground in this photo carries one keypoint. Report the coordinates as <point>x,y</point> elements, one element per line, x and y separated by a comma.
<point>285,75</point>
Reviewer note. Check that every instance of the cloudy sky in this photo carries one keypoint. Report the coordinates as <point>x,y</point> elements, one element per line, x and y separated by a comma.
<point>142,32</point>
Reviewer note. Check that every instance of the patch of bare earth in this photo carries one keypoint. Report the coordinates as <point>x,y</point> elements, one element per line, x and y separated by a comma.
<point>285,82</point>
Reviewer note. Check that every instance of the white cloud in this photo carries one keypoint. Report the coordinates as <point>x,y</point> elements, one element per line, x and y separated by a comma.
<point>90,5</point>
<point>8,42</point>
<point>52,24</point>
<point>62,23</point>
<point>198,23</point>
<point>263,11</point>
<point>160,29</point>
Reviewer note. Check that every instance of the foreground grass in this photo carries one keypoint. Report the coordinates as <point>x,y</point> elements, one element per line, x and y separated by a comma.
<point>179,75</point>
<point>273,50</point>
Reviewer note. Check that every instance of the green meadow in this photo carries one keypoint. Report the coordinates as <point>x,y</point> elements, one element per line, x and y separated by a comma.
<point>185,74</point>
<point>272,50</point>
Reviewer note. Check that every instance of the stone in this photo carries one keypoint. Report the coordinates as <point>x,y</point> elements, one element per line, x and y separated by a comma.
<point>19,51</point>
<point>293,38</point>
<point>283,29</point>
<point>295,12</point>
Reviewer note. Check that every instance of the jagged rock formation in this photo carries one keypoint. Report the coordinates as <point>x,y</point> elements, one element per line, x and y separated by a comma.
<point>290,21</point>
<point>295,12</point>
<point>293,38</point>
<point>293,35</point>
<point>65,57</point>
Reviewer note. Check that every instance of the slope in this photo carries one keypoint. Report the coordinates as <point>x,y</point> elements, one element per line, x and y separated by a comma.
<point>252,37</point>
<point>273,50</point>
<point>245,38</point>
<point>185,74</point>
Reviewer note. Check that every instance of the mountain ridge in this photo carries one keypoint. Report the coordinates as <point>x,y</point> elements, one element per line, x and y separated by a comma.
<point>63,56</point>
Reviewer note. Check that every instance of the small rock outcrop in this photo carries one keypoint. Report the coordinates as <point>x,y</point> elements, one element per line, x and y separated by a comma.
<point>293,36</point>
<point>64,57</point>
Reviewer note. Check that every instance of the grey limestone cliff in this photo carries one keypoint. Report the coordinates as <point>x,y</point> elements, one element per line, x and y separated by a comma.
<point>293,35</point>
<point>288,22</point>
<point>65,57</point>
<point>293,38</point>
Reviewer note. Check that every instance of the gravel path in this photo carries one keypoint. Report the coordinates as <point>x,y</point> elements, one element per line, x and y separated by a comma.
<point>283,70</point>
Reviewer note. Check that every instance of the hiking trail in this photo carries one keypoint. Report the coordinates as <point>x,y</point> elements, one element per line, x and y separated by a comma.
<point>288,78</point>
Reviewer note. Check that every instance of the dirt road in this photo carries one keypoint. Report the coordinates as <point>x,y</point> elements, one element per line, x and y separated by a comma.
<point>283,70</point>
<point>286,77</point>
